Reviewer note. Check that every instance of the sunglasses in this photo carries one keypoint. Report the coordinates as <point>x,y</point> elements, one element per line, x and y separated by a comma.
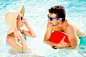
<point>52,18</point>
<point>20,18</point>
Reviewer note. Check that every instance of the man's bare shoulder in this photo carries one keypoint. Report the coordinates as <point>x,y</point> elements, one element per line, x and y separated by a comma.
<point>70,24</point>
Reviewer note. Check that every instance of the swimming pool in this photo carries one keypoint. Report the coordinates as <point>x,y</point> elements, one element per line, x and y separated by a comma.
<point>36,14</point>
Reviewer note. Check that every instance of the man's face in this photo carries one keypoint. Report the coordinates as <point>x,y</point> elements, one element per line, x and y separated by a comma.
<point>52,21</point>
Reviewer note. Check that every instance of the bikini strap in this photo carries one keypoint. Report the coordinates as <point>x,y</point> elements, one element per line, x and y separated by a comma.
<point>24,35</point>
<point>21,31</point>
<point>18,39</point>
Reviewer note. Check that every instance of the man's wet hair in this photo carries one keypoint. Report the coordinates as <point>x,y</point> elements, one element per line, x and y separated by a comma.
<point>59,10</point>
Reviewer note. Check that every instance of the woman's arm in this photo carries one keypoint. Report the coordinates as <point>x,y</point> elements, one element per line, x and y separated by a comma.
<point>12,41</point>
<point>30,32</point>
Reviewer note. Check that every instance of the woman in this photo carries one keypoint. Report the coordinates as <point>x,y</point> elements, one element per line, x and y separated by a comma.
<point>16,35</point>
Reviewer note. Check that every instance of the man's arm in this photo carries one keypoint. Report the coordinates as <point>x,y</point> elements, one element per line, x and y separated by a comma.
<point>68,47</point>
<point>48,34</point>
<point>72,35</point>
<point>47,38</point>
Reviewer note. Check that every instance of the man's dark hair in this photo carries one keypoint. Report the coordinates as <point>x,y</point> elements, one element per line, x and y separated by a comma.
<point>59,10</point>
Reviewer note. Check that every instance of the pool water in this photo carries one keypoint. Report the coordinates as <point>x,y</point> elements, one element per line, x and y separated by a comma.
<point>36,14</point>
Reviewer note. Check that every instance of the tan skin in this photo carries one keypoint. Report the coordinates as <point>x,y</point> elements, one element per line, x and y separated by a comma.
<point>12,37</point>
<point>68,27</point>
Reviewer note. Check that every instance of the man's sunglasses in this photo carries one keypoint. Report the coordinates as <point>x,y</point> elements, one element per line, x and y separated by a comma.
<point>20,18</point>
<point>52,18</point>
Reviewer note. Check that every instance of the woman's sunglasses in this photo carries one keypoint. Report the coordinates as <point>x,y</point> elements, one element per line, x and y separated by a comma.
<point>20,18</point>
<point>52,18</point>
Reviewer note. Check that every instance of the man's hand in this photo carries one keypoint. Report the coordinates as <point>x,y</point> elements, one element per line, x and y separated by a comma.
<point>62,43</point>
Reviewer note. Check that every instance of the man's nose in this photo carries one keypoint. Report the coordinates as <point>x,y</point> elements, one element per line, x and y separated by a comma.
<point>49,19</point>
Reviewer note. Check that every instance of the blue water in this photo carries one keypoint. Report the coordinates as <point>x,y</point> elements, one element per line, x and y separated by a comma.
<point>36,14</point>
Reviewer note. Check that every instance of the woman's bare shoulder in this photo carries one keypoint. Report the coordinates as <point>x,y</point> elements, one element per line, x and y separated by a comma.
<point>9,36</point>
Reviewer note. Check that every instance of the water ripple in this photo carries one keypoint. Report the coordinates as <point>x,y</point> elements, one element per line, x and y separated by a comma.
<point>36,14</point>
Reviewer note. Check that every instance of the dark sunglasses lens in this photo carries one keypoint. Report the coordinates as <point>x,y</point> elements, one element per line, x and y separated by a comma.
<point>21,17</point>
<point>50,18</point>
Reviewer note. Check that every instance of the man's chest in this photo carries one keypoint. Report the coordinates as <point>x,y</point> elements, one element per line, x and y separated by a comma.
<point>55,28</point>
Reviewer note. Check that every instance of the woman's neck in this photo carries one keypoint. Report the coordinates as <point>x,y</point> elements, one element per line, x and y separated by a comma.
<point>18,29</point>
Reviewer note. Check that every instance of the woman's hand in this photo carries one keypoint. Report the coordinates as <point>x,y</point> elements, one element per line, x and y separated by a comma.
<point>24,21</point>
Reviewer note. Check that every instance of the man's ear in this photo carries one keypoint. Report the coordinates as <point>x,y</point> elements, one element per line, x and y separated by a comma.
<point>60,19</point>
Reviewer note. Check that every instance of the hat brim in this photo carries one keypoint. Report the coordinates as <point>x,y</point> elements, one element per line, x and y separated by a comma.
<point>14,24</point>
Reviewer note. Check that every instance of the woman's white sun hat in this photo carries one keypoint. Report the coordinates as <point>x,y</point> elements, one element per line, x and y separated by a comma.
<point>11,17</point>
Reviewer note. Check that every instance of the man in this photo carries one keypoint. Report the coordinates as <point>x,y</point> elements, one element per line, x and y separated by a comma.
<point>57,22</point>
